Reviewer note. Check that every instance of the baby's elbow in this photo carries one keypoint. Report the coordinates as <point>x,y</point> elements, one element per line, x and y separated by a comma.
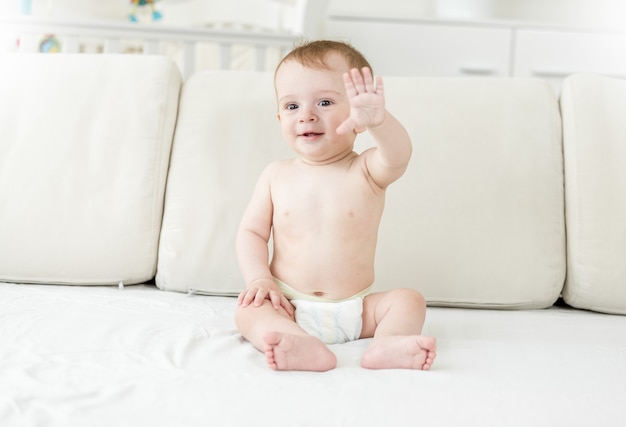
<point>245,234</point>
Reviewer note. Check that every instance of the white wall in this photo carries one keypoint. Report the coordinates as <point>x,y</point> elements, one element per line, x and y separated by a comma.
<point>603,14</point>
<point>199,12</point>
<point>606,14</point>
<point>106,9</point>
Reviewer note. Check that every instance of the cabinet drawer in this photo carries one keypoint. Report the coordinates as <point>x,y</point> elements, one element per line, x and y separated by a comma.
<point>406,48</point>
<point>554,55</point>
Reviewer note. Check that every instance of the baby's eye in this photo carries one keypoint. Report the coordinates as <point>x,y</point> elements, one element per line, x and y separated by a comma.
<point>291,106</point>
<point>325,103</point>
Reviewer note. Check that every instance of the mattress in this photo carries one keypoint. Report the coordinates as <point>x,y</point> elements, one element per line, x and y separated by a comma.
<point>138,356</point>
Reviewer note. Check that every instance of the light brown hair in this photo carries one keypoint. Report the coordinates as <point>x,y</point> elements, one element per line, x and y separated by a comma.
<point>313,54</point>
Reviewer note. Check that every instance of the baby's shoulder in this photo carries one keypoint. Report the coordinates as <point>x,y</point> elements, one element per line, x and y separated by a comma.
<point>279,167</point>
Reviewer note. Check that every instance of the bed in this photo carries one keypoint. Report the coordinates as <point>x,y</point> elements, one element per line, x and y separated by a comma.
<point>137,356</point>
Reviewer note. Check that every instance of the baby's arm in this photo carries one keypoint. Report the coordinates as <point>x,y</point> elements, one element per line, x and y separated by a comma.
<point>253,253</point>
<point>388,161</point>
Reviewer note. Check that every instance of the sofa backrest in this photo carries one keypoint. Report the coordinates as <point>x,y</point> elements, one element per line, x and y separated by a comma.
<point>594,144</point>
<point>84,150</point>
<point>227,132</point>
<point>477,220</point>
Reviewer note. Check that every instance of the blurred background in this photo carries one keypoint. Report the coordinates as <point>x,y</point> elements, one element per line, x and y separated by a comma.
<point>549,39</point>
<point>590,14</point>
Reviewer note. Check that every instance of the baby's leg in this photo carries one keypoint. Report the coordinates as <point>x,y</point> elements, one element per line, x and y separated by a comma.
<point>285,344</point>
<point>395,320</point>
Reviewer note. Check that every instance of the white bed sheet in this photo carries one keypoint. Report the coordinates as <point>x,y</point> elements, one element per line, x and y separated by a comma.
<point>101,356</point>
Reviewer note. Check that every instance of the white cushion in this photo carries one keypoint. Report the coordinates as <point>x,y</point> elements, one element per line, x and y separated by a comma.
<point>84,149</point>
<point>476,221</point>
<point>594,132</point>
<point>227,132</point>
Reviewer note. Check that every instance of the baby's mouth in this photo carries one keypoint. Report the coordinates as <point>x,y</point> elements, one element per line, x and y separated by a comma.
<point>310,134</point>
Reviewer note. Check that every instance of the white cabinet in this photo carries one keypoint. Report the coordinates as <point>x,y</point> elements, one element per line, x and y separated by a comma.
<point>407,48</point>
<point>454,48</point>
<point>553,55</point>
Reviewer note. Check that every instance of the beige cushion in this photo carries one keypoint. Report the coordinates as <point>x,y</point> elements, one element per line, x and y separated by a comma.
<point>227,132</point>
<point>594,132</point>
<point>84,148</point>
<point>476,221</point>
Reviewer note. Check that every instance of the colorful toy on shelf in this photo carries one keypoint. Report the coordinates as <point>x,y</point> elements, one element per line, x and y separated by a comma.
<point>156,15</point>
<point>49,44</point>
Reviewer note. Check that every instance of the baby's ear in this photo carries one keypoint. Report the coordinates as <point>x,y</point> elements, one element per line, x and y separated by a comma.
<point>278,116</point>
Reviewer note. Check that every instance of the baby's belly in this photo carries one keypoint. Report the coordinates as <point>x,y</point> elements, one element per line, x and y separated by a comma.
<point>329,274</point>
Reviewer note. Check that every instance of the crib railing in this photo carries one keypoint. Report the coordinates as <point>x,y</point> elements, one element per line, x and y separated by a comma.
<point>190,47</point>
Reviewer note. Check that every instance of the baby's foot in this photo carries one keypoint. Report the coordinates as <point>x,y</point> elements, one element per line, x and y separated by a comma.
<point>401,352</point>
<point>286,352</point>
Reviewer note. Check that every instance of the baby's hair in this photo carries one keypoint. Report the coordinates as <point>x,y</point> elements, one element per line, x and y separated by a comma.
<point>313,54</point>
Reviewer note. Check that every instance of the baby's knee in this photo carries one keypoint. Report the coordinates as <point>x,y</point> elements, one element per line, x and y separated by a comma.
<point>251,314</point>
<point>245,316</point>
<point>242,316</point>
<point>410,297</point>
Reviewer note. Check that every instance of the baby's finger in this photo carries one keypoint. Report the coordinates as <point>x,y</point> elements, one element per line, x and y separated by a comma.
<point>349,84</point>
<point>380,89</point>
<point>275,299</point>
<point>368,79</point>
<point>357,78</point>
<point>286,305</point>
<point>345,127</point>
<point>247,297</point>
<point>241,296</point>
<point>261,294</point>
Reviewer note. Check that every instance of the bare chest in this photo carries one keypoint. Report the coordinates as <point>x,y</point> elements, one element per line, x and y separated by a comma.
<point>340,201</point>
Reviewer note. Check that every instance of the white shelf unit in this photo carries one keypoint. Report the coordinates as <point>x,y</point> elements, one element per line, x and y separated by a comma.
<point>188,46</point>
<point>432,47</point>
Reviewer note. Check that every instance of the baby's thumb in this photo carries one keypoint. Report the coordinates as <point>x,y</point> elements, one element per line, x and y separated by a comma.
<point>345,127</point>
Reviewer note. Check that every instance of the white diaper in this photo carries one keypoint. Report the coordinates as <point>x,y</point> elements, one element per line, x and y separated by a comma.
<point>331,322</point>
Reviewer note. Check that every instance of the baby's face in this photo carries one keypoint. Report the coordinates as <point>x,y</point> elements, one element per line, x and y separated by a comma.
<point>312,103</point>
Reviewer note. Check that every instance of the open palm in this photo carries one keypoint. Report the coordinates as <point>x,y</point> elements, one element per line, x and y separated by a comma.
<point>367,101</point>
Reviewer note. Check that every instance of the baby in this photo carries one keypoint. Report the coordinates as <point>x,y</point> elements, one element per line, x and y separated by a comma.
<point>322,210</point>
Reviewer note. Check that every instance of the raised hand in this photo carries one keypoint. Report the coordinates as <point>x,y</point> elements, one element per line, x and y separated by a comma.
<point>367,101</point>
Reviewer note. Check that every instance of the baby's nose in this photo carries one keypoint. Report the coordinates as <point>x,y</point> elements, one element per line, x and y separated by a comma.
<point>307,115</point>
